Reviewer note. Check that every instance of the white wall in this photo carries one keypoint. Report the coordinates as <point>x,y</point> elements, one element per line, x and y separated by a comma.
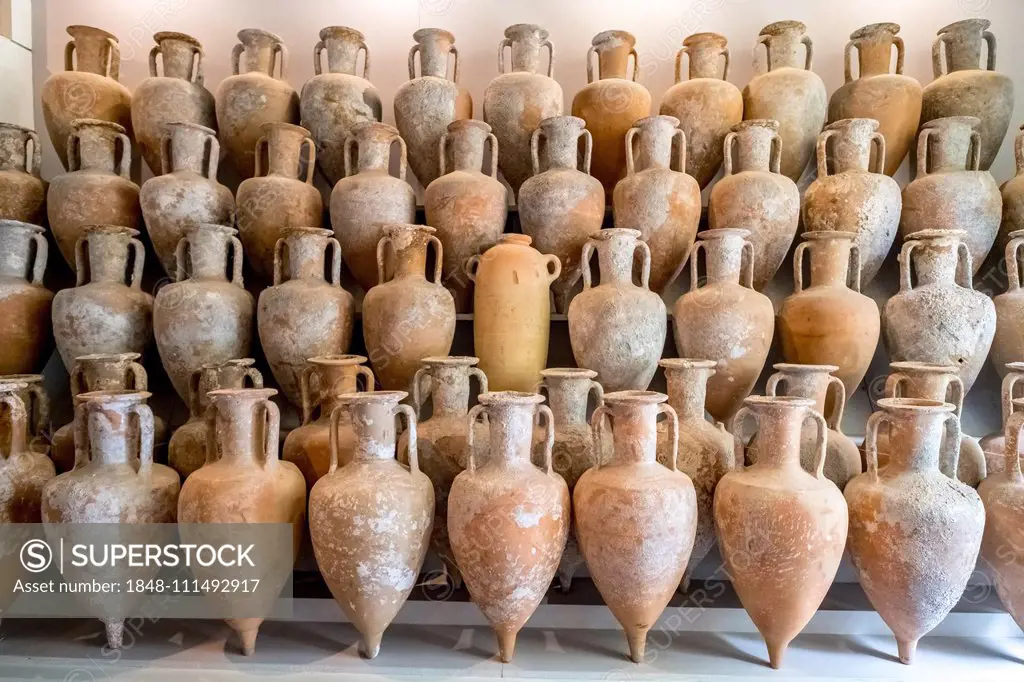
<point>17,98</point>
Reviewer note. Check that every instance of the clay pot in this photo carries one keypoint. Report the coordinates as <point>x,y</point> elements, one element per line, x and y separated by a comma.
<point>206,316</point>
<point>891,99</point>
<point>994,444</point>
<point>611,103</point>
<point>323,382</point>
<point>618,328</point>
<point>830,322</point>
<point>914,531</point>
<point>512,301</point>
<point>517,101</point>
<point>467,207</point>
<point>243,481</point>
<point>937,316</point>
<point>304,314</point>
<point>284,197</point>
<point>949,191</point>
<point>856,196</point>
<point>370,519</point>
<point>186,192</point>
<point>508,520</point>
<point>33,396</point>
<point>562,205</point>
<point>22,190</point>
<point>789,93</point>
<point>781,530</point>
<point>1008,342</point>
<point>963,88</point>
<point>426,104</point>
<point>368,198</point>
<point>253,97</point>
<point>97,189</point>
<point>186,451</point>
<point>334,103</point>
<point>723,319</point>
<point>407,317</point>
<point>23,471</point>
<point>177,96</point>
<point>661,201</point>
<point>25,303</point>
<point>1012,193</point>
<point>86,88</point>
<point>752,194</point>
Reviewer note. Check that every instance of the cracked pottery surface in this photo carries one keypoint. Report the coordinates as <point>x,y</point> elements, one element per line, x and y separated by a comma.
<point>33,395</point>
<point>1008,342</point>
<point>993,444</point>
<point>22,190</point>
<point>26,326</point>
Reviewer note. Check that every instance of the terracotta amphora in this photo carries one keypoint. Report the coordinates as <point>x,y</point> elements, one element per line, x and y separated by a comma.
<point>512,300</point>
<point>781,530</point>
<point>370,519</point>
<point>611,102</point>
<point>618,328</point>
<point>915,532</point>
<point>174,93</point>
<point>335,101</point>
<point>753,195</point>
<point>22,190</point>
<point>306,313</point>
<point>891,99</point>
<point>937,316</point>
<point>426,104</point>
<point>993,445</point>
<point>657,197</point>
<point>253,96</point>
<point>962,87</point>
<point>33,395</point>
<point>322,384</point>
<point>518,100</point>
<point>26,327</point>
<point>706,104</point>
<point>723,319</point>
<point>1008,342</point>
<point>508,520</point>
<point>1011,191</point>
<point>561,205</point>
<point>949,191</point>
<point>206,316</point>
<point>186,192</point>
<point>86,88</point>
<point>369,197</point>
<point>186,450</point>
<point>97,189</point>
<point>466,206</point>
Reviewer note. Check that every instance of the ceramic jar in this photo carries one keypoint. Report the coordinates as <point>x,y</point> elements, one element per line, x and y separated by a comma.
<point>512,301</point>
<point>852,194</point>
<point>407,317</point>
<point>561,205</point>
<point>23,471</point>
<point>781,530</point>
<point>186,192</point>
<point>660,200</point>
<point>507,519</point>
<point>305,314</point>
<point>253,97</point>
<point>937,316</point>
<point>950,193</point>
<point>33,396</point>
<point>1012,194</point>
<point>963,88</point>
<point>370,519</point>
<point>206,316</point>
<point>1008,342</point>
<point>618,328</point>
<point>97,189</point>
<point>892,99</point>
<point>26,326</point>
<point>706,104</point>
<point>753,195</point>
<point>993,444</point>
<point>369,197</point>
<point>914,531</point>
<point>22,190</point>
<point>788,92</point>
<point>177,95</point>
<point>86,88</point>
<point>636,519</point>
<point>466,206</point>
<point>426,104</point>
<point>334,102</point>
<point>723,319</point>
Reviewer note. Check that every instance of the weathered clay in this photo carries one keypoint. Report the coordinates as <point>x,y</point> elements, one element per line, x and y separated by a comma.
<point>33,396</point>
<point>993,445</point>
<point>1012,194</point>
<point>1008,342</point>
<point>26,325</point>
<point>22,190</point>
<point>23,471</point>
